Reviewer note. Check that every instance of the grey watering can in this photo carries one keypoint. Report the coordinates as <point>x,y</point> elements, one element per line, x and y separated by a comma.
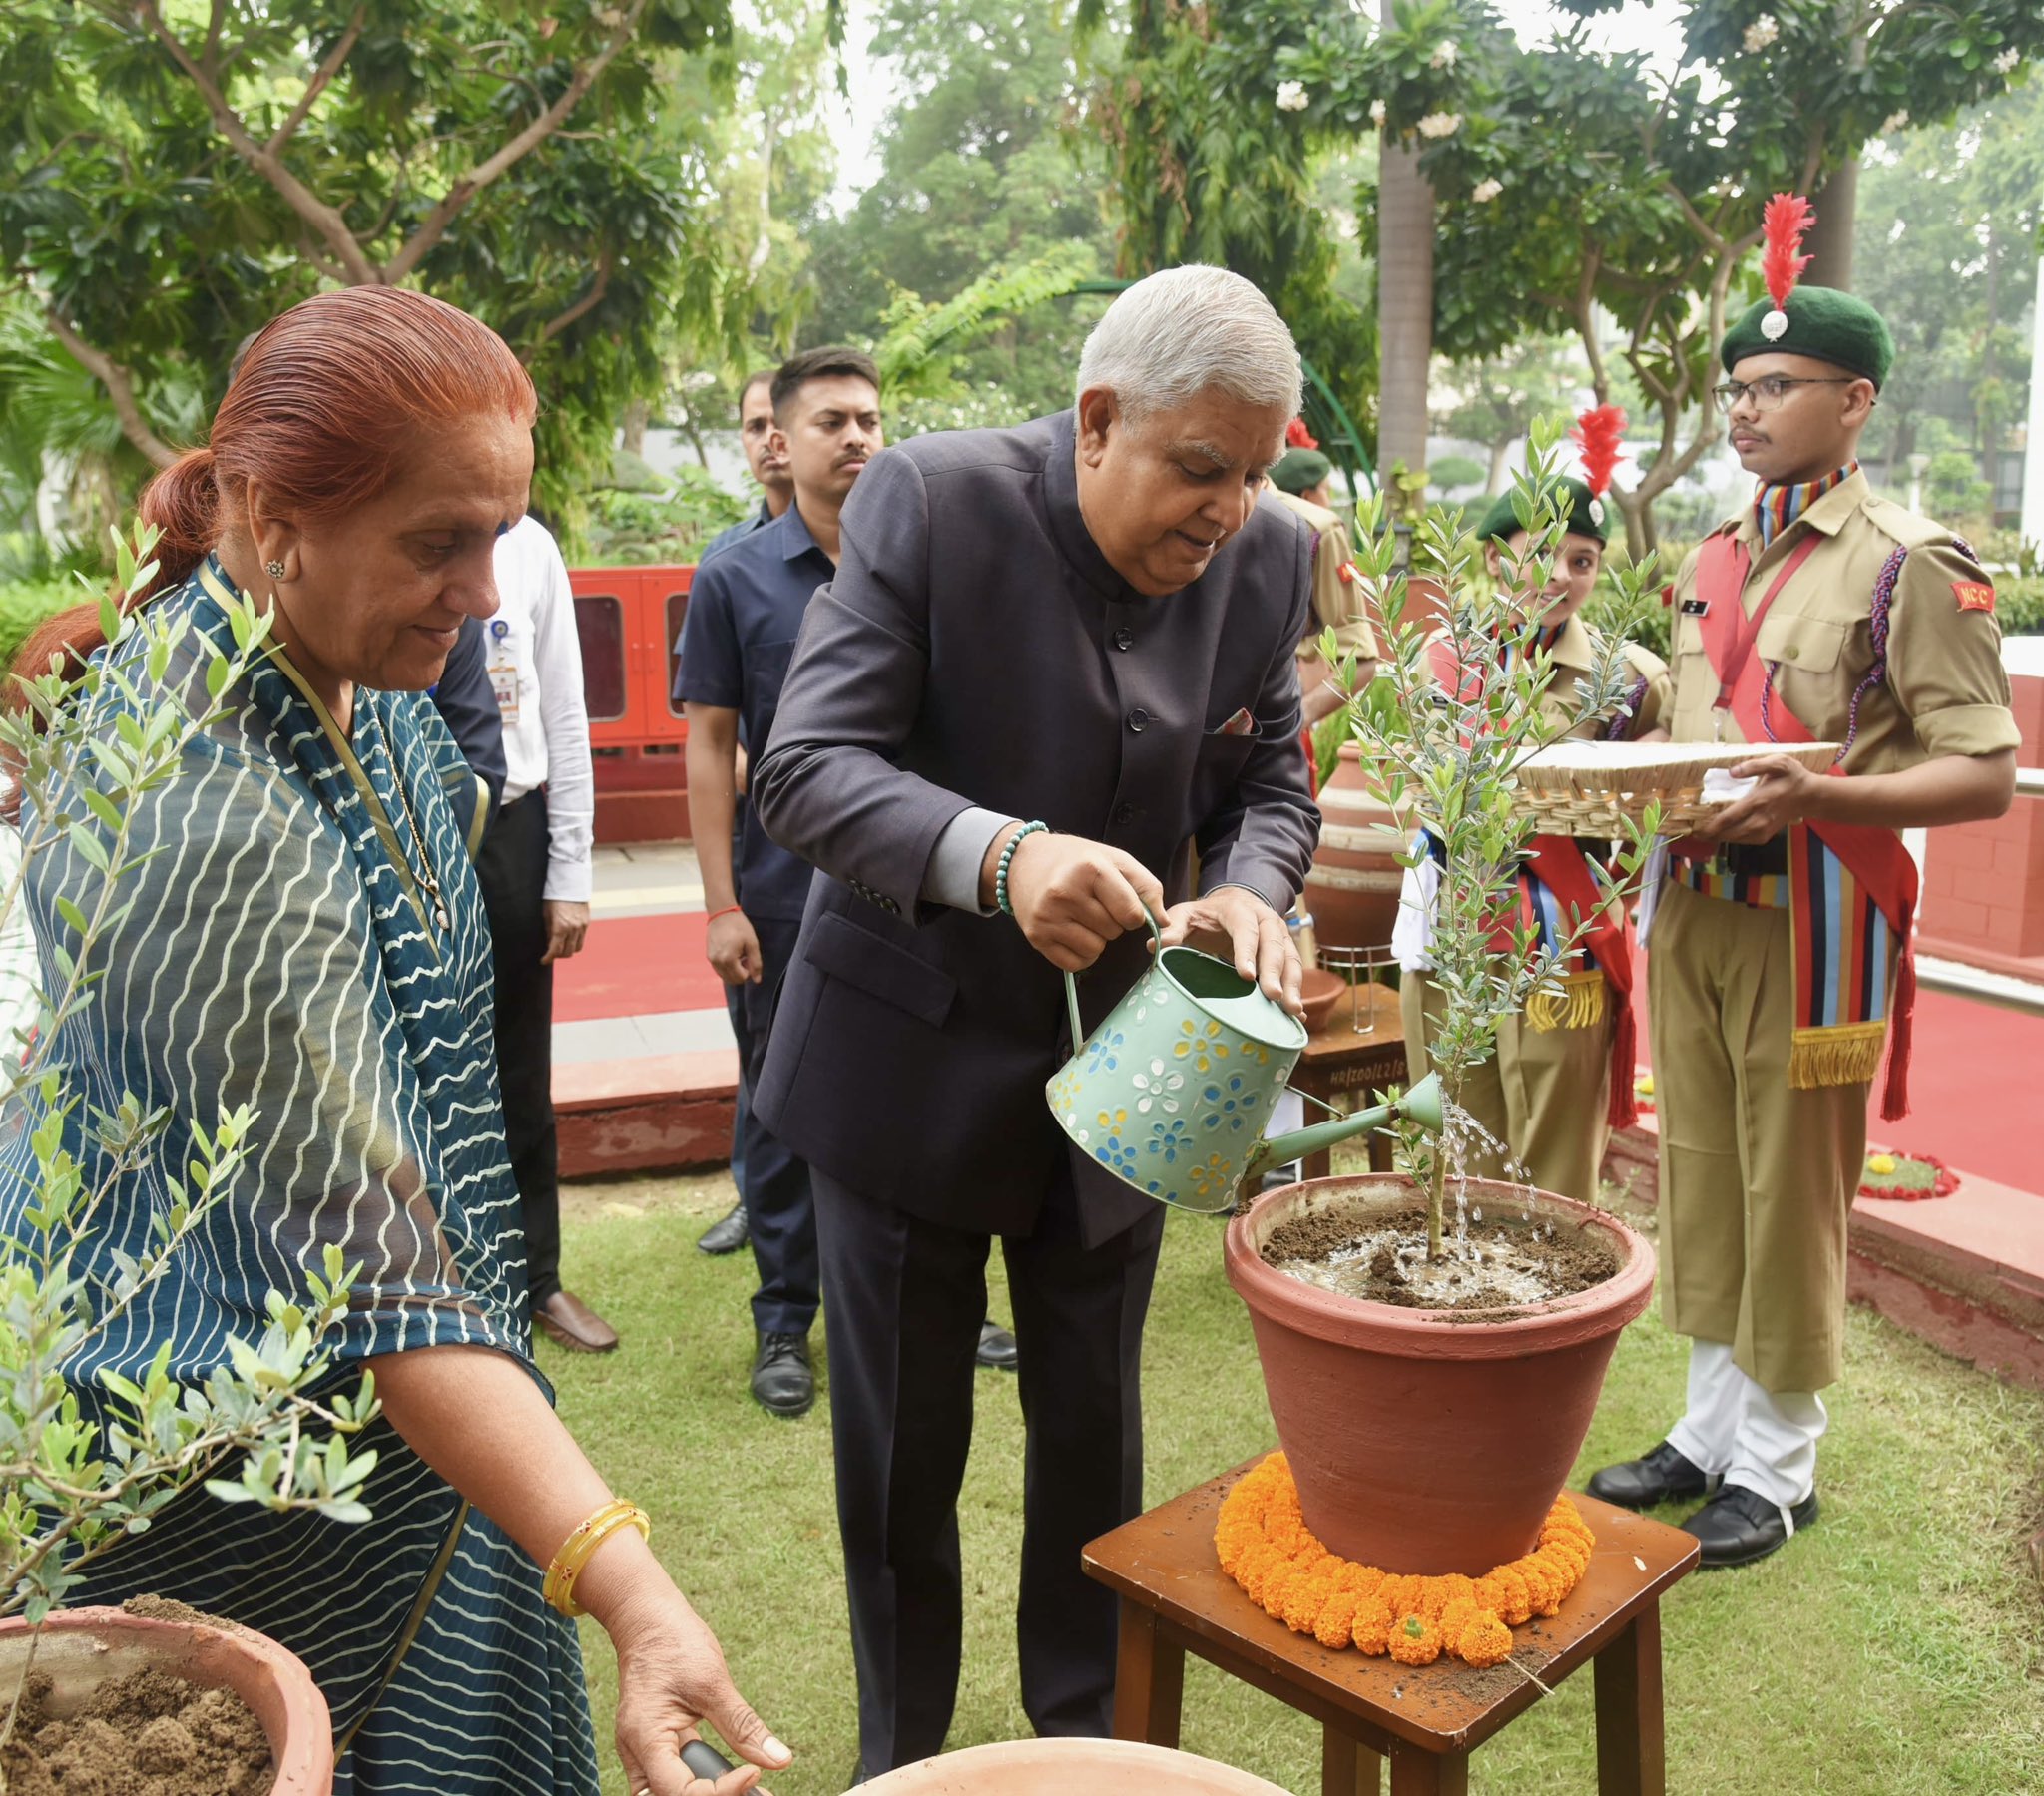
<point>1172,1092</point>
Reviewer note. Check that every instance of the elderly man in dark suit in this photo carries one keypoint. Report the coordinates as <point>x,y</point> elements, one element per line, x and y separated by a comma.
<point>1074,640</point>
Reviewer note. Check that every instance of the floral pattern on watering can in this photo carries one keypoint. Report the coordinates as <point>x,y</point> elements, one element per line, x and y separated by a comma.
<point>1174,1107</point>
<point>1171,1103</point>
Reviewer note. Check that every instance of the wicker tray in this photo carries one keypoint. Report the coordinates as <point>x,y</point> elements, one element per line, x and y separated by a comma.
<point>1590,788</point>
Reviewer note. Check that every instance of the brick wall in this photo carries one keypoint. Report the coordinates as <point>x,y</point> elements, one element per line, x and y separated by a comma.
<point>1983,883</point>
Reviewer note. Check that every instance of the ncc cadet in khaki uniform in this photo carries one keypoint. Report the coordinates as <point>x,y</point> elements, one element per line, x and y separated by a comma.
<point>1562,1073</point>
<point>1298,482</point>
<point>1779,948</point>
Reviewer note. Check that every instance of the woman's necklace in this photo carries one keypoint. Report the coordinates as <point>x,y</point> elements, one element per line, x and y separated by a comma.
<point>418,835</point>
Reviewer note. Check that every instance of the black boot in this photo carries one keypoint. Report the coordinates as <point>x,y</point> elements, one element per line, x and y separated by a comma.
<point>1661,1475</point>
<point>1737,1527</point>
<point>783,1378</point>
<point>997,1349</point>
<point>727,1233</point>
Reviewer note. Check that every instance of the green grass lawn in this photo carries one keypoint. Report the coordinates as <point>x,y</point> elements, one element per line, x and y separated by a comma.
<point>1898,1646</point>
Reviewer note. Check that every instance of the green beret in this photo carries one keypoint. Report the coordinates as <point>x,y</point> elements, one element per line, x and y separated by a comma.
<point>1301,467</point>
<point>1823,323</point>
<point>1587,516</point>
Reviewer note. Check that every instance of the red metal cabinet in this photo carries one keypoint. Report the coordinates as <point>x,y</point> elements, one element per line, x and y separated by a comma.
<point>627,620</point>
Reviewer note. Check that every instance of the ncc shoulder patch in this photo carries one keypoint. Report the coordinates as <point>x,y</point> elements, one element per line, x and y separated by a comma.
<point>1974,595</point>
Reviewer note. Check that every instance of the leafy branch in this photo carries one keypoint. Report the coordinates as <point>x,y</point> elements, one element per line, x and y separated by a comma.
<point>1464,715</point>
<point>88,743</point>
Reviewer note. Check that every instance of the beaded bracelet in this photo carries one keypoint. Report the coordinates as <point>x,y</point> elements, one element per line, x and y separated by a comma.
<point>581,1545</point>
<point>1007,857</point>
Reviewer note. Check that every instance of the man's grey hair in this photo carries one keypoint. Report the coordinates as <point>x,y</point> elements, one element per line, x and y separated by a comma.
<point>1180,331</point>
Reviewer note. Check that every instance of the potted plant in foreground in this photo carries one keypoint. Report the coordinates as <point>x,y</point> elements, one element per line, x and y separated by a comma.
<point>1433,1345</point>
<point>74,1480</point>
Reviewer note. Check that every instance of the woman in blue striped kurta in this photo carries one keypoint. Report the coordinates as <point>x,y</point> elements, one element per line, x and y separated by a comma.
<point>307,939</point>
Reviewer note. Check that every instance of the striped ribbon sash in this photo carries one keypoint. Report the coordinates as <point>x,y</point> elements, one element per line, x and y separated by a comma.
<point>1851,888</point>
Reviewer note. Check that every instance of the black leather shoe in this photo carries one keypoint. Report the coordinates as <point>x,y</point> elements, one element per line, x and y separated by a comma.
<point>1662,1476</point>
<point>997,1349</point>
<point>783,1378</point>
<point>1739,1526</point>
<point>728,1234</point>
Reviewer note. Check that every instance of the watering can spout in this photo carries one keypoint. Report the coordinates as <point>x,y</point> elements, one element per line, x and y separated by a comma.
<point>1421,1106</point>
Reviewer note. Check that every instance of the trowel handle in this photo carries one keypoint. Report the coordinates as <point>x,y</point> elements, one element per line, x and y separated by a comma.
<point>1072,984</point>
<point>703,1760</point>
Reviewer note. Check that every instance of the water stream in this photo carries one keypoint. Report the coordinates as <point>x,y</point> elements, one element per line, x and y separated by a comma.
<point>1465,1267</point>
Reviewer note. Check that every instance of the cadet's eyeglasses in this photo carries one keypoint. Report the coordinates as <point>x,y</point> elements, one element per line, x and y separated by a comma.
<point>1768,392</point>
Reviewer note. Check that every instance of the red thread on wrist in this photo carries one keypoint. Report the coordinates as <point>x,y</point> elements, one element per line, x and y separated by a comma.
<point>730,910</point>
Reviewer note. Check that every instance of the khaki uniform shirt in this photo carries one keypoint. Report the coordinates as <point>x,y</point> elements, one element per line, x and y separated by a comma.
<point>1574,654</point>
<point>1946,691</point>
<point>1338,593</point>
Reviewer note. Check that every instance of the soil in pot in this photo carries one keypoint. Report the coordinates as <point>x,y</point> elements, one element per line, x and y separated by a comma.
<point>145,1735</point>
<point>1497,1264</point>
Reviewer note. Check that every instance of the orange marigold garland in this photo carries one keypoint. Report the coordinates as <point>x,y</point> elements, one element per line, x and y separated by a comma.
<point>1266,1547</point>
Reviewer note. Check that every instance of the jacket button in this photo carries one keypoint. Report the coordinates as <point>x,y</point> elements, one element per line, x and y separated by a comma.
<point>1139,720</point>
<point>1792,652</point>
<point>1126,813</point>
<point>1124,639</point>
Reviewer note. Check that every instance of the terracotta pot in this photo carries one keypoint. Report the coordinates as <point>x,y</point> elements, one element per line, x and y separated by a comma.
<point>1352,887</point>
<point>84,1648</point>
<point>1059,1767</point>
<point>1424,1442</point>
<point>1320,990</point>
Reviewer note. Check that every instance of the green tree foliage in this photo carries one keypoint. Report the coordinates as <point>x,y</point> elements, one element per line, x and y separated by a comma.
<point>1948,235</point>
<point>1207,166</point>
<point>187,170</point>
<point>1572,185</point>
<point>1504,393</point>
<point>982,188</point>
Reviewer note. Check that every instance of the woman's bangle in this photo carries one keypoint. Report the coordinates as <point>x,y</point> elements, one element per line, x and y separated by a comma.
<point>1001,902</point>
<point>581,1545</point>
<point>730,910</point>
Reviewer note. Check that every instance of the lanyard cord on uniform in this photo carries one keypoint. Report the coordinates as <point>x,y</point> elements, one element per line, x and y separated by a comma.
<point>1883,601</point>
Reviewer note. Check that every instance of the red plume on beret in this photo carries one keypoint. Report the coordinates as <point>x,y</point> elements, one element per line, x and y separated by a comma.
<point>1296,436</point>
<point>1600,435</point>
<point>1786,217</point>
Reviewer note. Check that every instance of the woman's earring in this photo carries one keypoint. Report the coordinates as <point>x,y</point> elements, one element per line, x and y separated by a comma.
<point>274,569</point>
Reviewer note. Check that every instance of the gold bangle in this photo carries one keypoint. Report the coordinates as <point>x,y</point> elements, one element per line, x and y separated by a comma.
<point>581,1545</point>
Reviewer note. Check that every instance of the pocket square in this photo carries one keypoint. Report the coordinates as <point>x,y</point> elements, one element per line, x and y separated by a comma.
<point>1242,723</point>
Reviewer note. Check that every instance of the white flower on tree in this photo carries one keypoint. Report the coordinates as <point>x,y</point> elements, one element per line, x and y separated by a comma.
<point>1376,113</point>
<point>1445,55</point>
<point>1440,124</point>
<point>1291,96</point>
<point>1760,33</point>
<point>1488,188</point>
<point>2005,63</point>
<point>1894,122</point>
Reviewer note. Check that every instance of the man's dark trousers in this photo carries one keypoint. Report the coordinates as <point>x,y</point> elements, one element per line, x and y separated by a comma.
<point>779,1210</point>
<point>512,870</point>
<point>907,1297</point>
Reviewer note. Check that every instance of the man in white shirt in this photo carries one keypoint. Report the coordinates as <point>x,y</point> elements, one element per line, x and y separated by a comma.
<point>535,873</point>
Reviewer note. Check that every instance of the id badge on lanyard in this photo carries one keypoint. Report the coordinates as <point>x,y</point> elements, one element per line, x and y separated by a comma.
<point>503,669</point>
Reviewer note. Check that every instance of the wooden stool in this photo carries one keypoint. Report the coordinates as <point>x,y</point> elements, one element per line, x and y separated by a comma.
<point>1337,1060</point>
<point>1428,1719</point>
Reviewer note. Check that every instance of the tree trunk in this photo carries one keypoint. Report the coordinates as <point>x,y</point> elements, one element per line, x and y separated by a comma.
<point>1404,306</point>
<point>1500,453</point>
<point>1830,238</point>
<point>631,430</point>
